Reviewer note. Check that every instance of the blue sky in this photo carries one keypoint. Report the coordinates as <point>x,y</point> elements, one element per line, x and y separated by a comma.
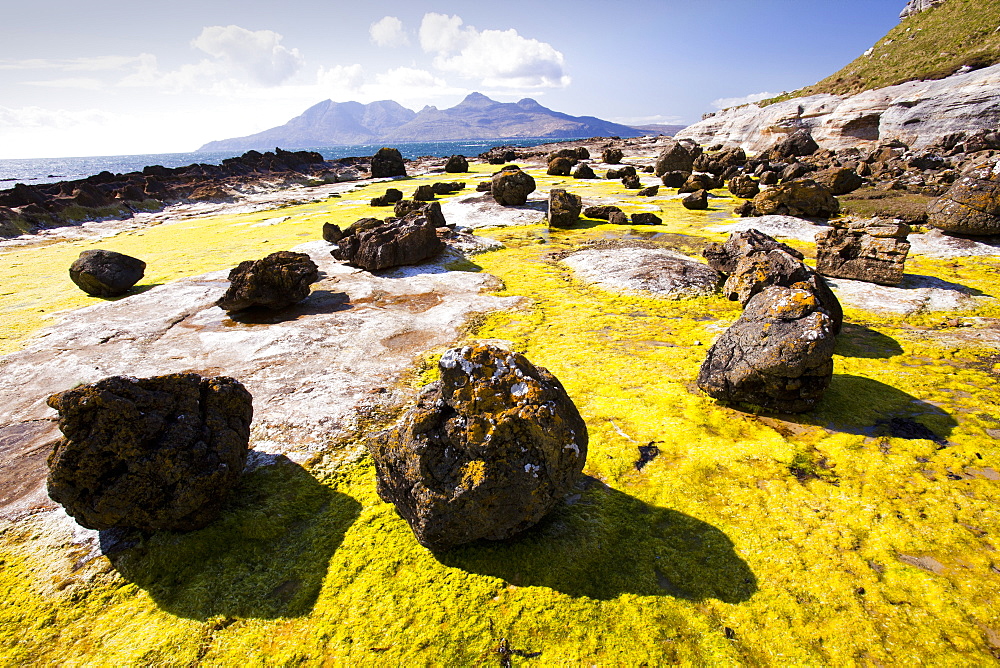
<point>135,77</point>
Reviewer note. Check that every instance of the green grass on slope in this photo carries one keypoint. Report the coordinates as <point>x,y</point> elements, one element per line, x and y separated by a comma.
<point>930,45</point>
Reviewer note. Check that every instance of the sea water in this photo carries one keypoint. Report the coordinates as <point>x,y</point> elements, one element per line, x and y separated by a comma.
<point>50,170</point>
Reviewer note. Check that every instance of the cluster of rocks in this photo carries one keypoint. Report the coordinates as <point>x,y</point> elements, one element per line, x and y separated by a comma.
<point>779,353</point>
<point>616,216</point>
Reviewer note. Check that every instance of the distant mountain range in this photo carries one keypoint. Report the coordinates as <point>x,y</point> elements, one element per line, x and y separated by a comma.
<point>476,117</point>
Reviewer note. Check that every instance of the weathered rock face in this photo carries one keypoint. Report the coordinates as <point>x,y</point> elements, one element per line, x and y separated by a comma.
<point>155,453</point>
<point>971,206</point>
<point>799,143</point>
<point>564,208</point>
<point>873,251</point>
<point>840,181</point>
<point>559,167</point>
<point>276,281</point>
<point>103,273</point>
<point>611,156</point>
<point>388,162</point>
<point>916,6</point>
<point>393,243</point>
<point>797,198</point>
<point>744,186</point>
<point>916,113</point>
<point>652,270</point>
<point>584,171</point>
<point>725,257</point>
<point>696,201</point>
<point>677,156</point>
<point>487,451</point>
<point>457,164</point>
<point>778,355</point>
<point>511,187</point>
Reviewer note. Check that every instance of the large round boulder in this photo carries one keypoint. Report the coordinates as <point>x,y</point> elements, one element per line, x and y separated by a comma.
<point>677,156</point>
<point>971,206</point>
<point>511,187</point>
<point>104,273</point>
<point>388,162</point>
<point>457,164</point>
<point>276,281</point>
<point>778,355</point>
<point>559,166</point>
<point>155,453</point>
<point>487,451</point>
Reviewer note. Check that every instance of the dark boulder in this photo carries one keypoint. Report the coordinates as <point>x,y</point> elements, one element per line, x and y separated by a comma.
<point>104,273</point>
<point>388,162</point>
<point>611,156</point>
<point>744,186</point>
<point>778,355</point>
<point>499,155</point>
<point>840,181</point>
<point>645,218</point>
<point>559,167</point>
<point>697,182</point>
<point>621,172</point>
<point>651,191</point>
<point>768,178</point>
<point>457,164</point>
<point>487,451</point>
<point>393,195</point>
<point>447,188</point>
<point>745,209</point>
<point>873,251</point>
<point>332,233</point>
<point>971,205</point>
<point>564,208</point>
<point>724,257</point>
<point>796,170</point>
<point>584,171</point>
<point>424,193</point>
<point>157,453</point>
<point>511,187</point>
<point>617,218</point>
<point>582,153</point>
<point>600,212</point>
<point>276,281</point>
<point>567,153</point>
<point>675,179</point>
<point>799,143</point>
<point>395,242</point>
<point>677,156</point>
<point>696,201</point>
<point>484,186</point>
<point>797,198</point>
<point>631,182</point>
<point>407,207</point>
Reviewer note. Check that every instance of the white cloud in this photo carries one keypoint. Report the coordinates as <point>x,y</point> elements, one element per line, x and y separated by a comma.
<point>36,117</point>
<point>726,102</point>
<point>341,77</point>
<point>408,77</point>
<point>82,83</point>
<point>500,58</point>
<point>93,64</point>
<point>388,31</point>
<point>656,119</point>
<point>259,53</point>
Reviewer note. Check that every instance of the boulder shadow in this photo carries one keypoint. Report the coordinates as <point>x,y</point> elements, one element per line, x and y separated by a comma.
<point>134,290</point>
<point>866,407</point>
<point>265,557</point>
<point>604,543</point>
<point>318,302</point>
<point>918,281</point>
<point>866,343</point>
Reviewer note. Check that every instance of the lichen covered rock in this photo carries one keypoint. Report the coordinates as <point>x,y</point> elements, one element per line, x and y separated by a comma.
<point>395,242</point>
<point>564,208</point>
<point>276,281</point>
<point>487,451</point>
<point>778,355</point>
<point>149,453</point>
<point>104,273</point>
<point>971,206</point>
<point>797,198</point>
<point>511,187</point>
<point>873,251</point>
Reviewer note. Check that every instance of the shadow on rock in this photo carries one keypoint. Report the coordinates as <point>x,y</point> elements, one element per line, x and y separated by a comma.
<point>606,543</point>
<point>865,343</point>
<point>919,281</point>
<point>134,290</point>
<point>858,405</point>
<point>266,557</point>
<point>318,302</point>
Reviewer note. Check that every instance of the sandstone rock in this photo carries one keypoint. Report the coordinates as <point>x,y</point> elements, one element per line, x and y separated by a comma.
<point>564,208</point>
<point>631,182</point>
<point>725,257</point>
<point>971,206</point>
<point>332,233</point>
<point>778,355</point>
<point>511,187</point>
<point>804,198</point>
<point>104,273</point>
<point>651,191</point>
<point>424,193</point>
<point>457,164</point>
<point>744,186</point>
<point>155,453</point>
<point>611,156</point>
<point>487,451</point>
<point>798,143</point>
<point>388,162</point>
<point>658,271</point>
<point>600,212</point>
<point>395,242</point>
<point>559,167</point>
<point>675,179</point>
<point>276,281</point>
<point>677,156</point>
<point>696,201</point>
<point>584,171</point>
<point>644,218</point>
<point>873,251</point>
<point>840,181</point>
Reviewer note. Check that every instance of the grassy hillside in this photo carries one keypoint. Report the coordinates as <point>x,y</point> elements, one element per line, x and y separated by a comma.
<point>930,45</point>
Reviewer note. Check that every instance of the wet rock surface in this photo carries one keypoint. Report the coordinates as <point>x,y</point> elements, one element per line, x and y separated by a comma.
<point>778,355</point>
<point>275,282</point>
<point>392,243</point>
<point>873,251</point>
<point>156,453</point>
<point>486,452</point>
<point>104,273</point>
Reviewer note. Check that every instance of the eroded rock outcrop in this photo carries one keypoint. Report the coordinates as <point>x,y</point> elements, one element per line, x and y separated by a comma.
<point>104,273</point>
<point>392,243</point>
<point>778,355</point>
<point>486,453</point>
<point>873,251</point>
<point>276,281</point>
<point>971,206</point>
<point>797,198</point>
<point>155,453</point>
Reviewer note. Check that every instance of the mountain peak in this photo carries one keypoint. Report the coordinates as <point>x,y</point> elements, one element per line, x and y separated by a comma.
<point>476,99</point>
<point>528,103</point>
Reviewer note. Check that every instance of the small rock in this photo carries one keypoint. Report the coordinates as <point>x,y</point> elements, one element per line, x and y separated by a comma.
<point>104,273</point>
<point>631,182</point>
<point>559,167</point>
<point>621,172</point>
<point>651,191</point>
<point>584,171</point>
<point>600,212</point>
<point>675,179</point>
<point>388,162</point>
<point>697,201</point>
<point>645,218</point>
<point>804,198</point>
<point>744,186</point>
<point>424,193</point>
<point>611,156</point>
<point>332,233</point>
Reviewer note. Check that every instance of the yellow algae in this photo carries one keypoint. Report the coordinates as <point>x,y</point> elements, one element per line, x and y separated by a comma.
<point>825,538</point>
